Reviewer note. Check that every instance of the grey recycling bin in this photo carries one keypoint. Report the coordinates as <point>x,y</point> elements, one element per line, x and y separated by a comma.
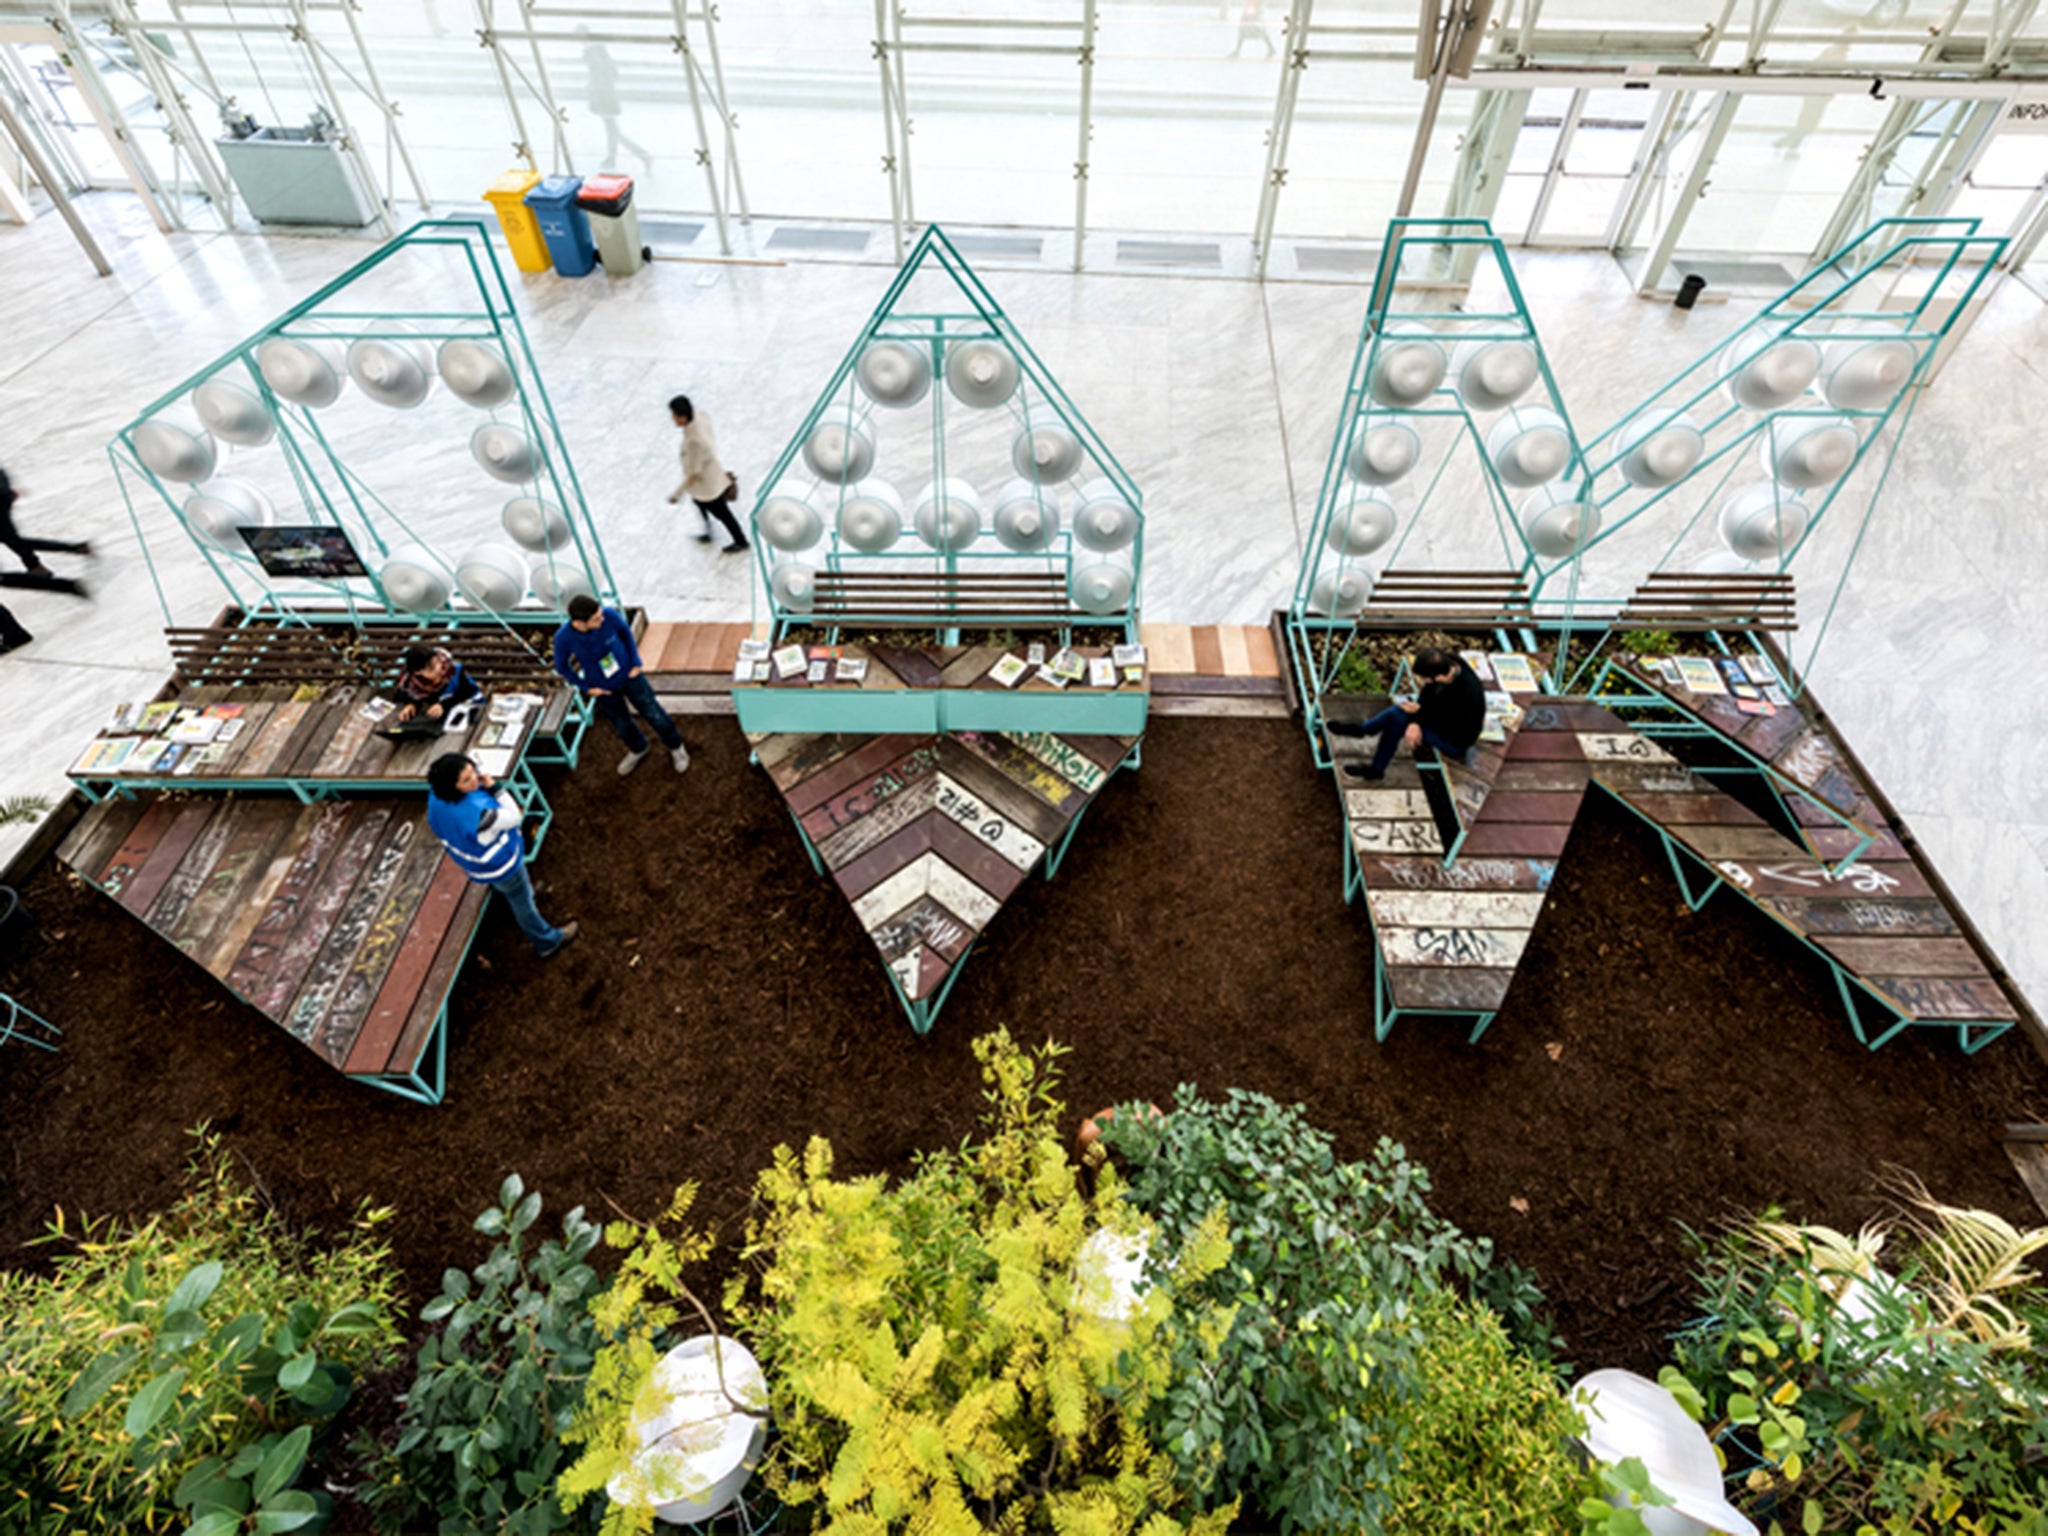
<point>607,201</point>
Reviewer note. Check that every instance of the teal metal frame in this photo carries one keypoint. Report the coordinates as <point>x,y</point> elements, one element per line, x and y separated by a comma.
<point>10,1028</point>
<point>981,318</point>
<point>333,493</point>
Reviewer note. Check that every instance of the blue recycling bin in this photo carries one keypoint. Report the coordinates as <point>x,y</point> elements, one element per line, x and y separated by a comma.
<point>563,225</point>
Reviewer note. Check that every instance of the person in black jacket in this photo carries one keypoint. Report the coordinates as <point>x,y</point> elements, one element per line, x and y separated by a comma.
<point>1447,716</point>
<point>28,550</point>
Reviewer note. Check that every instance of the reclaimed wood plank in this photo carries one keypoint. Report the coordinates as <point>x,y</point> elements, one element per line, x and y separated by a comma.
<point>1237,658</point>
<point>1449,989</point>
<point>248,829</point>
<point>1370,837</point>
<point>865,797</point>
<point>971,665</point>
<point>1627,778</point>
<point>895,894</point>
<point>1529,839</point>
<point>923,923</point>
<point>1058,754</point>
<point>727,654</point>
<point>350,734</point>
<point>1570,715</point>
<point>1531,805</point>
<point>247,903</point>
<point>1387,805</point>
<point>1768,735</point>
<point>302,1016</point>
<point>974,858</point>
<point>418,1033</point>
<point>1827,914</point>
<point>280,919</point>
<point>810,755</point>
<point>1013,842</point>
<point>915,667</point>
<point>1169,648</point>
<point>857,772</point>
<point>140,893</point>
<point>1621,747</point>
<point>1001,794</point>
<point>889,857</point>
<point>271,737</point>
<point>322,907</point>
<point>334,1035</point>
<point>958,894</point>
<point>1481,948</point>
<point>1945,998</point>
<point>1454,909</point>
<point>1894,956</point>
<point>1697,808</point>
<point>1746,843</point>
<point>93,845</point>
<point>1208,649</point>
<point>876,822</point>
<point>1107,752</point>
<point>1836,842</point>
<point>421,942</point>
<point>700,654</point>
<point>1259,647</point>
<point>314,732</point>
<point>1024,769</point>
<point>1543,777</point>
<point>1546,746</point>
<point>1802,877</point>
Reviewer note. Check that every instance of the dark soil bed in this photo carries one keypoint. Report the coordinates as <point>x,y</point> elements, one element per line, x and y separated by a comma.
<point>1651,1067</point>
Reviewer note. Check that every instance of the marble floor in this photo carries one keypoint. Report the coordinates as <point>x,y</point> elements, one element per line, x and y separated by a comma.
<point>1218,396</point>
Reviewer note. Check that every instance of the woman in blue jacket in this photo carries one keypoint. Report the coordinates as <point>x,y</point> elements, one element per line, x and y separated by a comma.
<point>479,825</point>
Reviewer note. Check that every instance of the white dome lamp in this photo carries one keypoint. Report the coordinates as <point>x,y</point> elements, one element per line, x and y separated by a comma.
<point>1866,375</point>
<point>794,586</point>
<point>504,453</point>
<point>1382,451</point>
<point>948,515</point>
<point>1807,452</point>
<point>176,448</point>
<point>871,517</point>
<point>1630,1415</point>
<point>1339,594</point>
<point>476,373</point>
<point>788,520</point>
<point>1767,371</point>
<point>304,372</point>
<point>1105,521</point>
<point>414,579</point>
<point>897,374</point>
<point>982,374</point>
<point>1407,371</point>
<point>1027,517</point>
<point>839,452</point>
<point>1362,527</point>
<point>1529,446</point>
<point>534,525</point>
<point>391,370</point>
<point>1046,454</point>
<point>1659,448</point>
<point>234,413</point>
<point>218,509</point>
<point>1493,375</point>
<point>492,576</point>
<point>695,1450</point>
<point>1762,521</point>
<point>1100,589</point>
<point>1558,521</point>
<point>554,582</point>
<point>1724,562</point>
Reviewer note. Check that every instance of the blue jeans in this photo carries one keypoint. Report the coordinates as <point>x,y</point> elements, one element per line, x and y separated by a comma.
<point>638,692</point>
<point>517,889</point>
<point>1392,723</point>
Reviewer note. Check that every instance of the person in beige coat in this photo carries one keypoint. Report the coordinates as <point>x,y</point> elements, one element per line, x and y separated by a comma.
<point>706,481</point>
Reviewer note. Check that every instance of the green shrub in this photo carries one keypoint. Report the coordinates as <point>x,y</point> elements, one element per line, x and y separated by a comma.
<point>1859,1399</point>
<point>1305,1406</point>
<point>931,1363</point>
<point>1650,642</point>
<point>1356,674</point>
<point>184,1363</point>
<point>1485,1443</point>
<point>479,1442</point>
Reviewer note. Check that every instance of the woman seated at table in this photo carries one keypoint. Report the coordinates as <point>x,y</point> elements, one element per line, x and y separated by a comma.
<point>431,682</point>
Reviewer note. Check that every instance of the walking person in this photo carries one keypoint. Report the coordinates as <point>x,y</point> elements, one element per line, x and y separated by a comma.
<point>601,77</point>
<point>706,481</point>
<point>595,652</point>
<point>26,550</point>
<point>12,636</point>
<point>478,824</point>
<point>1251,27</point>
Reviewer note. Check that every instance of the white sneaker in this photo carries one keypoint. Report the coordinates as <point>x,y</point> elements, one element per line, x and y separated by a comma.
<point>681,758</point>
<point>630,761</point>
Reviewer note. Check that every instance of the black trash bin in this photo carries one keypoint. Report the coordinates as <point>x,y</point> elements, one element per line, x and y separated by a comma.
<point>1689,291</point>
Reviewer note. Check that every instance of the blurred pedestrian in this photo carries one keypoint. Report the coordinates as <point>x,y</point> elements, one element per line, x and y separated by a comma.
<point>1251,28</point>
<point>601,77</point>
<point>706,481</point>
<point>12,636</point>
<point>26,550</point>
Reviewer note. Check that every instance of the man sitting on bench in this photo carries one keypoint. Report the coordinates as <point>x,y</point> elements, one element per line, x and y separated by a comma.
<point>431,682</point>
<point>1448,715</point>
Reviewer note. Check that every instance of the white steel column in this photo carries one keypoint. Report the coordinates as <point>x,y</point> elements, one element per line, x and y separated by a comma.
<point>1087,128</point>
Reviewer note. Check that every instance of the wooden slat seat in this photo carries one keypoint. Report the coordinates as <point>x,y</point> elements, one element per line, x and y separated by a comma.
<point>1693,602</point>
<point>1428,599</point>
<point>940,595</point>
<point>334,653</point>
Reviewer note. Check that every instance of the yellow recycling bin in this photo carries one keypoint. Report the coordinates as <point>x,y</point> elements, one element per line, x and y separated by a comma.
<point>522,230</point>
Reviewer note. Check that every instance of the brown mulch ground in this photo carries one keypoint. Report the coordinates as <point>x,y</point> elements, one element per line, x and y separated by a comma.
<point>1651,1066</point>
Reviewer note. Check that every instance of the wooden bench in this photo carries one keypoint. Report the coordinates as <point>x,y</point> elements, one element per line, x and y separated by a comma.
<point>340,653</point>
<point>1438,599</point>
<point>940,597</point>
<point>344,924</point>
<point>1689,602</point>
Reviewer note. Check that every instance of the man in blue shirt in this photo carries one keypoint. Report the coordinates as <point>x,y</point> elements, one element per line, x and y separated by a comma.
<point>479,826</point>
<point>596,653</point>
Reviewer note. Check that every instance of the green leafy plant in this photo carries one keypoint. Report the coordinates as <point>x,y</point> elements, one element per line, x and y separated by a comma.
<point>15,809</point>
<point>935,1360</point>
<point>479,1442</point>
<point>1865,1399</point>
<point>1486,1439</point>
<point>1356,674</point>
<point>1306,1405</point>
<point>172,1365</point>
<point>1650,642</point>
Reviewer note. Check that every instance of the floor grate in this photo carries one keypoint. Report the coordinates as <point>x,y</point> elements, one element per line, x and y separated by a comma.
<point>1167,253</point>
<point>797,237</point>
<point>1000,247</point>
<point>1335,258</point>
<point>1731,274</point>
<point>670,232</point>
